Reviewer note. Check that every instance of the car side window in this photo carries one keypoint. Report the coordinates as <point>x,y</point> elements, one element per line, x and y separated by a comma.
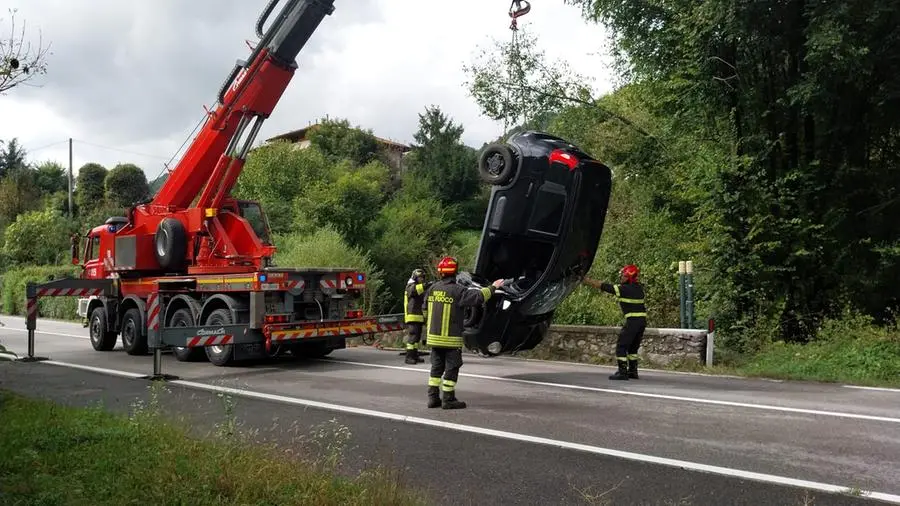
<point>549,207</point>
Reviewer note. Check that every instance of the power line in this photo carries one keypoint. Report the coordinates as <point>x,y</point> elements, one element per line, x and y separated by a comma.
<point>45,146</point>
<point>120,150</point>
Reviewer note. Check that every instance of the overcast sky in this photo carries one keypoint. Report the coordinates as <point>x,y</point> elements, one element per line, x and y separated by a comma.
<point>128,79</point>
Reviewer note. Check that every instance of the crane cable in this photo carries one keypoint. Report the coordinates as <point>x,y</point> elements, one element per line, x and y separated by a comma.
<point>516,10</point>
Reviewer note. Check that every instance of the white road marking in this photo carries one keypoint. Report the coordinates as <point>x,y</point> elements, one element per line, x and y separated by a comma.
<point>472,429</point>
<point>876,389</point>
<point>101,370</point>
<point>637,394</point>
<point>24,331</point>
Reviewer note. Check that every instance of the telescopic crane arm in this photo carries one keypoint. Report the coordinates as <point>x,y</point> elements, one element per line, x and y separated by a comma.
<point>215,158</point>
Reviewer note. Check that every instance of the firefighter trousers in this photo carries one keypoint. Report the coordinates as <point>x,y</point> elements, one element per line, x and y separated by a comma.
<point>413,334</point>
<point>445,364</point>
<point>630,338</point>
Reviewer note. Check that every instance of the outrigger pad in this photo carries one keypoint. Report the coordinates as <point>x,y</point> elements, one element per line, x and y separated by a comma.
<point>160,377</point>
<point>31,359</point>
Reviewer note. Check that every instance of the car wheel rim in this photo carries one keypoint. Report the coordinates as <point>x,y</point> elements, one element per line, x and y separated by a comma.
<point>217,350</point>
<point>495,163</point>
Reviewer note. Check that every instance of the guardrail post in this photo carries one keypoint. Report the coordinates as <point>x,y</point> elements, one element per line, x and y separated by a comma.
<point>710,341</point>
<point>31,311</point>
<point>681,296</point>
<point>689,293</point>
<point>155,310</point>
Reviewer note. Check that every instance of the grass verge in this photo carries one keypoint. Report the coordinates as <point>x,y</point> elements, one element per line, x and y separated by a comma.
<point>60,455</point>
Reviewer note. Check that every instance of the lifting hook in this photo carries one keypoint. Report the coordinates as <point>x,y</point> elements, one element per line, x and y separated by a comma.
<point>517,10</point>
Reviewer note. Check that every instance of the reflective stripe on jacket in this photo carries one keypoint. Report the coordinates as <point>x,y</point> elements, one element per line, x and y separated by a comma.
<point>630,297</point>
<point>446,305</point>
<point>413,300</point>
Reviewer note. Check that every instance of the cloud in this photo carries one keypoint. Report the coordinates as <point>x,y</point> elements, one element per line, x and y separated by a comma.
<point>134,76</point>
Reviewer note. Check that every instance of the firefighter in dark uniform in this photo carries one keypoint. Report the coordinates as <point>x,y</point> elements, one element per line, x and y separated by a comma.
<point>444,329</point>
<point>630,296</point>
<point>413,302</point>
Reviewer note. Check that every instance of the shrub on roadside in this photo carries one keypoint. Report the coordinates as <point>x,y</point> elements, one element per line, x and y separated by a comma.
<point>12,291</point>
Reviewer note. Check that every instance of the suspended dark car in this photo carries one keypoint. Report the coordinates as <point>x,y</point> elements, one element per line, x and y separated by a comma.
<point>546,213</point>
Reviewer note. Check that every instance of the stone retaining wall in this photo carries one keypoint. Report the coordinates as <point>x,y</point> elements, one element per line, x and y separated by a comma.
<point>597,345</point>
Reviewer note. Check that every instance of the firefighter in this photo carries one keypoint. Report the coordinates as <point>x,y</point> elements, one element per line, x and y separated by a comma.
<point>444,327</point>
<point>413,302</point>
<point>630,296</point>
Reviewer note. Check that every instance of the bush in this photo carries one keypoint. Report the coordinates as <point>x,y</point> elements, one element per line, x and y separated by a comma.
<point>848,349</point>
<point>12,291</point>
<point>326,248</point>
<point>407,234</point>
<point>37,237</point>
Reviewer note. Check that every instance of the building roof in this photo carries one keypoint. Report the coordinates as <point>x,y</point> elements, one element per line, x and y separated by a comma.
<point>300,134</point>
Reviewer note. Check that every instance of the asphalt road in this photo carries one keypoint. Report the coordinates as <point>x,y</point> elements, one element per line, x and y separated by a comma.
<point>535,432</point>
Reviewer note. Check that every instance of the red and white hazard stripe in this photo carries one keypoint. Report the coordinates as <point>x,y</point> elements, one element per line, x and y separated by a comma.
<point>209,341</point>
<point>327,283</point>
<point>295,283</point>
<point>31,309</point>
<point>153,312</point>
<point>68,292</point>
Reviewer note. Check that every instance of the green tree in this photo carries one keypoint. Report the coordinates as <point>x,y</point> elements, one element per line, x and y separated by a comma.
<point>407,234</point>
<point>338,140</point>
<point>348,204</point>
<point>445,166</point>
<point>37,237</point>
<point>18,194</point>
<point>12,157</point>
<point>126,184</point>
<point>90,187</point>
<point>802,98</point>
<point>513,81</point>
<point>50,178</point>
<point>278,173</point>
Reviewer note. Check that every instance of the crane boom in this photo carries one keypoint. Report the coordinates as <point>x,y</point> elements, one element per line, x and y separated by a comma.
<point>193,225</point>
<point>215,158</point>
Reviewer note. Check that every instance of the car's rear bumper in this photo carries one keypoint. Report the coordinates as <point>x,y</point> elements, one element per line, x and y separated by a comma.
<point>500,334</point>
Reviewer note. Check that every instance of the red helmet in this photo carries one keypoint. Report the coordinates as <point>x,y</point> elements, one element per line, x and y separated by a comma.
<point>447,266</point>
<point>630,272</point>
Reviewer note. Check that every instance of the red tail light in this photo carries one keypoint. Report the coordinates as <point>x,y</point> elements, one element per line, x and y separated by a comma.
<point>278,318</point>
<point>355,313</point>
<point>567,159</point>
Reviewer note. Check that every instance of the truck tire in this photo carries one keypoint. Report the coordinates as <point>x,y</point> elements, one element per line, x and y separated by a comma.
<point>134,339</point>
<point>101,338</point>
<point>170,245</point>
<point>220,355</point>
<point>184,318</point>
<point>496,165</point>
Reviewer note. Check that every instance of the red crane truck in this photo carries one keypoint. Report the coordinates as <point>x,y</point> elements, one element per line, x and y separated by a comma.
<point>193,265</point>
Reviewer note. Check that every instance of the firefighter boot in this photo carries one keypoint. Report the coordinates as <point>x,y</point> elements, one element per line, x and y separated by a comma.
<point>622,373</point>
<point>632,369</point>
<point>412,356</point>
<point>434,397</point>
<point>451,402</point>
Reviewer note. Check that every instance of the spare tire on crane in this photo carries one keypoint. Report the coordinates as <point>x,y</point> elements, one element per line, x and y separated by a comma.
<point>170,245</point>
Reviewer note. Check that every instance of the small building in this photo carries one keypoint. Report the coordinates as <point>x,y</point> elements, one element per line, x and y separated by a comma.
<point>394,151</point>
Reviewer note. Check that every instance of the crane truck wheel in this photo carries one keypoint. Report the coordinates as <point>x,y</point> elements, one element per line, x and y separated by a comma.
<point>220,355</point>
<point>101,338</point>
<point>184,318</point>
<point>133,339</point>
<point>496,165</point>
<point>170,244</point>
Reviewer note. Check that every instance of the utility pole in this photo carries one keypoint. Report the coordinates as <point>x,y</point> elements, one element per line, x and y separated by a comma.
<point>70,179</point>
